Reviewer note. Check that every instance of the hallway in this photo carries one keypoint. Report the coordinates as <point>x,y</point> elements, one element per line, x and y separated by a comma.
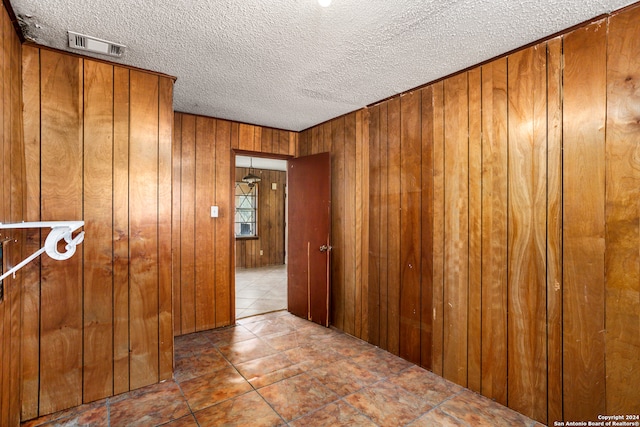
<point>260,290</point>
<point>277,369</point>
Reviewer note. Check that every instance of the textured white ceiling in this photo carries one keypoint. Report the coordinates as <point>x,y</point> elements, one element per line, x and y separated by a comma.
<point>292,64</point>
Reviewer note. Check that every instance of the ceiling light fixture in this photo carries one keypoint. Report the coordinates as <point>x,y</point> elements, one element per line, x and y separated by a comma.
<point>251,178</point>
<point>324,3</point>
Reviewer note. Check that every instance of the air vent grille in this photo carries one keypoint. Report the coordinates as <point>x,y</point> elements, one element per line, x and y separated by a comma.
<point>93,44</point>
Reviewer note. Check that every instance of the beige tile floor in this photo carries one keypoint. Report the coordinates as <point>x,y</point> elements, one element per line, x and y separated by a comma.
<point>260,290</point>
<point>279,370</point>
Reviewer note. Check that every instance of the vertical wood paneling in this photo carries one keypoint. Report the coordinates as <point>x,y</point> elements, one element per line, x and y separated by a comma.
<point>143,222</point>
<point>384,225</point>
<point>187,225</point>
<point>474,354</point>
<point>456,228</point>
<point>527,186</point>
<point>349,224</point>
<point>204,224</point>
<point>411,232</point>
<point>14,193</point>
<point>98,216</point>
<point>338,224</point>
<point>61,198</point>
<point>426,239</point>
<point>554,230</point>
<point>584,151</point>
<point>494,230</point>
<point>375,172</point>
<point>176,224</point>
<point>223,229</point>
<point>622,262</point>
<point>121,230</point>
<point>393,242</point>
<point>165,133</point>
<point>105,314</point>
<point>31,292</point>
<point>438,228</point>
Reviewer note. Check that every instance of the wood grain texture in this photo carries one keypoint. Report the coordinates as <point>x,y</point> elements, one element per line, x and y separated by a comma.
<point>338,224</point>
<point>527,210</point>
<point>225,313</point>
<point>384,226</point>
<point>474,354</point>
<point>17,290</point>
<point>362,222</point>
<point>374,226</point>
<point>584,116</point>
<point>165,134</point>
<point>494,230</point>
<point>426,239</point>
<point>205,158</point>
<point>143,222</point>
<point>349,225</point>
<point>61,198</point>
<point>438,228</point>
<point>31,292</point>
<point>98,216</point>
<point>176,224</point>
<point>411,231</point>
<point>554,230</point>
<point>121,230</point>
<point>394,271</point>
<point>456,228</point>
<point>622,259</point>
<point>186,281</point>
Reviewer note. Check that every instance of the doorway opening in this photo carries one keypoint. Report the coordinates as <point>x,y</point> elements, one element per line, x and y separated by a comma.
<point>260,228</point>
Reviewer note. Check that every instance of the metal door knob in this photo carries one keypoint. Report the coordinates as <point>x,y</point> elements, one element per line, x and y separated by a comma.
<point>325,248</point>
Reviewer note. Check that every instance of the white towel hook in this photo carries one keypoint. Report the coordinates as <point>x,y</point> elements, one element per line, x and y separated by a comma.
<point>59,230</point>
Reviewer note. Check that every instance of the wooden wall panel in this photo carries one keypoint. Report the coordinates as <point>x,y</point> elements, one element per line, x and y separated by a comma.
<point>121,365</point>
<point>554,229</point>
<point>61,198</point>
<point>186,280</point>
<point>411,231</point>
<point>204,225</point>
<point>98,215</point>
<point>456,228</point>
<point>527,232</point>
<point>338,224</point>
<point>143,223</point>
<point>622,259</point>
<point>104,315</point>
<point>31,292</point>
<point>584,116</point>
<point>12,176</point>
<point>494,230</point>
<point>375,208</point>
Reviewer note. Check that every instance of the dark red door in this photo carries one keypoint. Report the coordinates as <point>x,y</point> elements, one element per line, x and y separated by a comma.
<point>309,250</point>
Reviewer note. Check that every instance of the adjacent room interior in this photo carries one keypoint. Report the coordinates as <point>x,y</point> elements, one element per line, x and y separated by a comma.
<point>461,245</point>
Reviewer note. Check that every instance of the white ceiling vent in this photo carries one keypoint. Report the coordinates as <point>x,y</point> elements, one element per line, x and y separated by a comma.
<point>93,44</point>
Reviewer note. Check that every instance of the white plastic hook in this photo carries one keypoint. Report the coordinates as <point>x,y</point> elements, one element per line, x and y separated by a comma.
<point>59,230</point>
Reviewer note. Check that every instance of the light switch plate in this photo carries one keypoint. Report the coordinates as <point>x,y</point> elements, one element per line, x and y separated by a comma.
<point>274,185</point>
<point>214,212</point>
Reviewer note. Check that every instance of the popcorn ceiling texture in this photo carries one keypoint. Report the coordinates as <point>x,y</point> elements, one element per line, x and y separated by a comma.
<point>292,64</point>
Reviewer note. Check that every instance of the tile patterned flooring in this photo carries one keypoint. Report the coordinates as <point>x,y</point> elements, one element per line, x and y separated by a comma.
<point>260,290</point>
<point>280,370</point>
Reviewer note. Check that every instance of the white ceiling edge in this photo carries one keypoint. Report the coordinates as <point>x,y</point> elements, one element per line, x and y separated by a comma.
<point>291,64</point>
<point>261,163</point>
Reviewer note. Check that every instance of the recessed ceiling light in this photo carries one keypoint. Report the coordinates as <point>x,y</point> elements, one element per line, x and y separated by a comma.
<point>324,3</point>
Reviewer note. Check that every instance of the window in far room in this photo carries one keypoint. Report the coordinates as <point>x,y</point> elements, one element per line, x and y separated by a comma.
<point>246,220</point>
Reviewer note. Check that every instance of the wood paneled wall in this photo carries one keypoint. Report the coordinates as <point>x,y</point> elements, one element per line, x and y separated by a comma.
<point>346,139</point>
<point>271,212</point>
<point>12,177</point>
<point>97,148</point>
<point>203,247</point>
<point>503,224</point>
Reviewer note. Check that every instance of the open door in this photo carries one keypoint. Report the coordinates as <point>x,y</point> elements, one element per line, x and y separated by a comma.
<point>309,249</point>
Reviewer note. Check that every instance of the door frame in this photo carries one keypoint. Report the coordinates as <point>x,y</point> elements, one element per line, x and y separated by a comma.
<point>232,204</point>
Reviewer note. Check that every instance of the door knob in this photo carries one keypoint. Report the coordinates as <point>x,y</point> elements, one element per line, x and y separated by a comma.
<point>325,248</point>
